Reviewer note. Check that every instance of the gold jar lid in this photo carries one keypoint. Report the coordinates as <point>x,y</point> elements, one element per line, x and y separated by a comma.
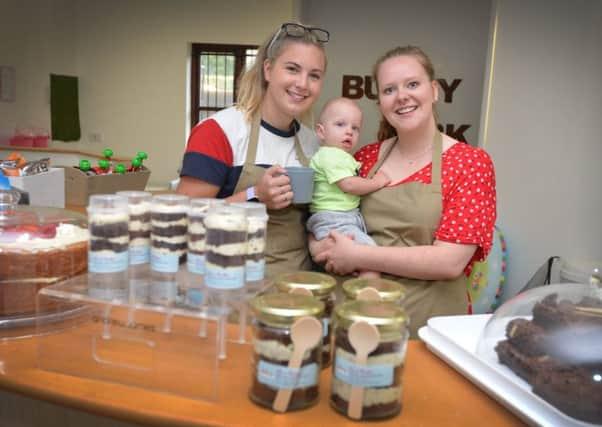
<point>282,309</point>
<point>390,319</point>
<point>388,290</point>
<point>318,284</point>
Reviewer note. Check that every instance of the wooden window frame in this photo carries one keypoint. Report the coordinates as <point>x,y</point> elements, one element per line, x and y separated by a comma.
<point>239,52</point>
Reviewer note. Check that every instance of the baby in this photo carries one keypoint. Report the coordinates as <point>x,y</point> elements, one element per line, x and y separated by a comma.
<point>337,188</point>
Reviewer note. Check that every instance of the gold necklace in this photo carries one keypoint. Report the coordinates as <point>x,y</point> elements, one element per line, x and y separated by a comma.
<point>415,158</point>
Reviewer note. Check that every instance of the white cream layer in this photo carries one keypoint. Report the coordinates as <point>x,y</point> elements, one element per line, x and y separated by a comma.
<point>66,234</point>
<point>226,222</point>
<point>173,240</point>
<point>255,246</point>
<point>166,224</point>
<point>108,218</point>
<point>196,228</point>
<point>230,249</point>
<point>139,208</point>
<point>275,350</point>
<point>372,396</point>
<point>170,209</point>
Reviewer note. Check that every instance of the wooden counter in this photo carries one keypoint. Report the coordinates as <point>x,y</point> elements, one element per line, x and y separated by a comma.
<point>434,395</point>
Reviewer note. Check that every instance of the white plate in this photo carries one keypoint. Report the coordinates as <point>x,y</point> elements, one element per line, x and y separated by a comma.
<point>455,338</point>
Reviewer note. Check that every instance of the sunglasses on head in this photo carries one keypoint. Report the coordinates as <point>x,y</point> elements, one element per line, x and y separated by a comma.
<point>297,30</point>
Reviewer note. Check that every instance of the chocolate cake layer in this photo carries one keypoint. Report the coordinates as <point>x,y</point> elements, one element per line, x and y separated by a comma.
<point>170,246</point>
<point>168,217</point>
<point>115,229</point>
<point>139,235</point>
<point>526,335</point>
<point>573,390</point>
<point>146,217</point>
<point>105,245</point>
<point>225,261</point>
<point>379,411</point>
<point>194,252</point>
<point>524,366</point>
<point>195,237</point>
<point>224,237</point>
<point>257,234</point>
<point>255,257</point>
<point>172,230</point>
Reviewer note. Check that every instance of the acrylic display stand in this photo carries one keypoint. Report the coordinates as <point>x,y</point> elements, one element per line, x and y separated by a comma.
<point>157,335</point>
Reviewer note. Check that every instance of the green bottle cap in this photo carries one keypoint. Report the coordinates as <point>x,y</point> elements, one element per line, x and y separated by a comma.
<point>136,162</point>
<point>107,152</point>
<point>84,165</point>
<point>142,155</point>
<point>120,168</point>
<point>103,164</point>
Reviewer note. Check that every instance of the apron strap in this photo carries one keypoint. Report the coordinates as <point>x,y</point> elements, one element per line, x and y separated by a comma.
<point>254,138</point>
<point>436,163</point>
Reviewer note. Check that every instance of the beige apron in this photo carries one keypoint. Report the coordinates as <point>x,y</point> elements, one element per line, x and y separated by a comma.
<point>286,245</point>
<point>408,215</point>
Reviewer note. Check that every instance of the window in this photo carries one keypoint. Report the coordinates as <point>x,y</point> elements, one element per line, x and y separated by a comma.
<point>214,76</point>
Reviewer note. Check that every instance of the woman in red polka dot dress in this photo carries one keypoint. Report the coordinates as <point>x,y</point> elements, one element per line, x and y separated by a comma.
<point>436,218</point>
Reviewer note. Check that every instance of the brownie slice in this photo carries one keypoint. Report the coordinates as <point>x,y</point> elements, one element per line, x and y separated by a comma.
<point>575,390</point>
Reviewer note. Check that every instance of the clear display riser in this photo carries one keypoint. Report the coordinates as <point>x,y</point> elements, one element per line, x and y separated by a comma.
<point>165,332</point>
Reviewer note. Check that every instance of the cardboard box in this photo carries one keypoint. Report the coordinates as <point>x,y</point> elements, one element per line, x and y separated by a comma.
<point>79,186</point>
<point>45,189</point>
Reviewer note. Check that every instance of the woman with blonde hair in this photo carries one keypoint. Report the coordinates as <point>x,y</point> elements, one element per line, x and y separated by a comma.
<point>240,153</point>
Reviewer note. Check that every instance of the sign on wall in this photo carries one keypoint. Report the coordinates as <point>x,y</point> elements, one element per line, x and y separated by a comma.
<point>357,87</point>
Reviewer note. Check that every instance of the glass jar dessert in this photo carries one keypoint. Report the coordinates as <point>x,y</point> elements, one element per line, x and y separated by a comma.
<point>274,347</point>
<point>322,287</point>
<point>387,290</point>
<point>380,374</point>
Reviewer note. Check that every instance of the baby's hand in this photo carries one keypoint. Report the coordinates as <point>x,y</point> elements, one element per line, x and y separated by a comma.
<point>382,178</point>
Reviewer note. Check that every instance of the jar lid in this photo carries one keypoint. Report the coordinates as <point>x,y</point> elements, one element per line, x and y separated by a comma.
<point>280,309</point>
<point>388,290</point>
<point>390,319</point>
<point>319,284</point>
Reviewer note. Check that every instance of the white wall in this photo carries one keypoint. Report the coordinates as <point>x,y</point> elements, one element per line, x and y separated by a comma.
<point>131,60</point>
<point>544,131</point>
<point>453,33</point>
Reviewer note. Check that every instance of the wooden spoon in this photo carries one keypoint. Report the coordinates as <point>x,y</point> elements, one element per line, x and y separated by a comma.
<point>368,294</point>
<point>364,339</point>
<point>306,333</point>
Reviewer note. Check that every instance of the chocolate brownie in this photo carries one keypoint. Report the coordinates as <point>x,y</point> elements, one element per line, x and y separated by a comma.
<point>559,353</point>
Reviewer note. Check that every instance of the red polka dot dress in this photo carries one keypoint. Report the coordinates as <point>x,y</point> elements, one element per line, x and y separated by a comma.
<point>468,193</point>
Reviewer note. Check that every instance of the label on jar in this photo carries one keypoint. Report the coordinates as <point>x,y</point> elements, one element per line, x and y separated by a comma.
<point>107,261</point>
<point>165,263</point>
<point>139,254</point>
<point>278,376</point>
<point>255,270</point>
<point>224,278</point>
<point>195,263</point>
<point>325,323</point>
<point>363,376</point>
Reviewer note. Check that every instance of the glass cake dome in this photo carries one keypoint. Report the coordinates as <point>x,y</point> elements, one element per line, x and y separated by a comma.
<point>551,338</point>
<point>39,246</point>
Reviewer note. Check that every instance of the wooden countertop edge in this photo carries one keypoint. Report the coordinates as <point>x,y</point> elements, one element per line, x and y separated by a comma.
<point>51,150</point>
<point>123,412</point>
